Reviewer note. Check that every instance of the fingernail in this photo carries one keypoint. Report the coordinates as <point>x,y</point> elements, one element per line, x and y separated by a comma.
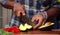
<point>23,14</point>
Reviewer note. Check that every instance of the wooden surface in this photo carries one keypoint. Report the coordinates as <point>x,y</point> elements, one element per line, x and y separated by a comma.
<point>38,32</point>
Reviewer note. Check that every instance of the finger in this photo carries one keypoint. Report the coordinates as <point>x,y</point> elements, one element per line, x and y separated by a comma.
<point>39,24</point>
<point>33,19</point>
<point>14,10</point>
<point>23,13</point>
<point>36,19</point>
<point>18,13</point>
<point>43,22</point>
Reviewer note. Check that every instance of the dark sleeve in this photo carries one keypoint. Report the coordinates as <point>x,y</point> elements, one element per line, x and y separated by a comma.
<point>54,9</point>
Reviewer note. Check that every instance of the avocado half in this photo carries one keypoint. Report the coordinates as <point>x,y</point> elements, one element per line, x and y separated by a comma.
<point>46,27</point>
<point>25,27</point>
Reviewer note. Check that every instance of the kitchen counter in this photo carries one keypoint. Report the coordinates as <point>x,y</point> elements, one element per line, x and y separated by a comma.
<point>38,32</point>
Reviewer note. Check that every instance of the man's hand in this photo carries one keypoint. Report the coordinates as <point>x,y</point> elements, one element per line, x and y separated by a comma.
<point>18,8</point>
<point>38,18</point>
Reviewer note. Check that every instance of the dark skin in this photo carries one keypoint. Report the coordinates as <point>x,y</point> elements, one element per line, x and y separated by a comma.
<point>18,8</point>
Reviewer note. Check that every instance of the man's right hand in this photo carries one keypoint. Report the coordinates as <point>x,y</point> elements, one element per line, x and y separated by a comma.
<point>18,8</point>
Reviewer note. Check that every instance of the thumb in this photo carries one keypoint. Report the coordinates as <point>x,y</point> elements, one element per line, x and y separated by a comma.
<point>43,22</point>
<point>18,13</point>
<point>33,19</point>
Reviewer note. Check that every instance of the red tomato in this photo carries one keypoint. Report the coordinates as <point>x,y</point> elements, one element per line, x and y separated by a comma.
<point>7,29</point>
<point>13,29</point>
